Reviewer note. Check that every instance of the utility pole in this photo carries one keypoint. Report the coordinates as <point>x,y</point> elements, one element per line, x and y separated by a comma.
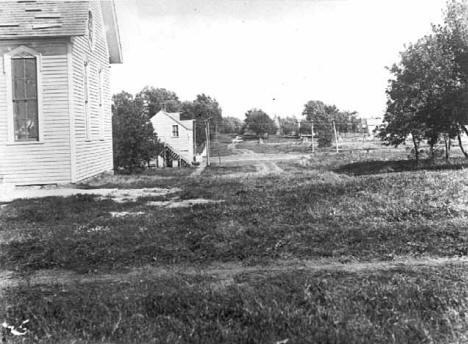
<point>336,136</point>
<point>312,136</point>
<point>207,132</point>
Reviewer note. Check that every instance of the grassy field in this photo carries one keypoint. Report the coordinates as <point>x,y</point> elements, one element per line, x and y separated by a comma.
<point>220,145</point>
<point>402,305</point>
<point>304,215</point>
<point>345,208</point>
<point>274,148</point>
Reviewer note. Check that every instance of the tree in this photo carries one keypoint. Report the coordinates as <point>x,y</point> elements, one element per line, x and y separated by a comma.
<point>259,122</point>
<point>156,99</point>
<point>231,125</point>
<point>422,96</point>
<point>201,109</point>
<point>134,140</point>
<point>347,122</point>
<point>288,126</point>
<point>455,30</point>
<point>322,115</point>
<point>427,95</point>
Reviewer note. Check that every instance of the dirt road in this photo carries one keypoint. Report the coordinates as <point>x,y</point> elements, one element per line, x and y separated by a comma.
<point>265,163</point>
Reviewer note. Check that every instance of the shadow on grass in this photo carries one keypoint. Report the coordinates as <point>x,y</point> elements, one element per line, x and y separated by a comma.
<point>381,166</point>
<point>404,305</point>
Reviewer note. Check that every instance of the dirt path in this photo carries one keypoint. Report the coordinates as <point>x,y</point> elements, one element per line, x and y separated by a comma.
<point>219,271</point>
<point>263,164</point>
<point>199,170</point>
<point>117,195</point>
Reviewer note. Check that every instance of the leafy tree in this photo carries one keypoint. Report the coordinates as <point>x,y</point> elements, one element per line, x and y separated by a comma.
<point>455,31</point>
<point>322,115</point>
<point>347,122</point>
<point>259,122</point>
<point>425,92</point>
<point>231,125</point>
<point>156,99</point>
<point>288,126</point>
<point>134,140</point>
<point>427,95</point>
<point>201,109</point>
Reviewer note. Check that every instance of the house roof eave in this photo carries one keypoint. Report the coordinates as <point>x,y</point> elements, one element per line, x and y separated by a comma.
<point>112,31</point>
<point>174,119</point>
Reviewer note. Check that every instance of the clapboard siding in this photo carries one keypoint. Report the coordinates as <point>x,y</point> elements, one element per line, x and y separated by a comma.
<point>48,161</point>
<point>93,156</point>
<point>162,125</point>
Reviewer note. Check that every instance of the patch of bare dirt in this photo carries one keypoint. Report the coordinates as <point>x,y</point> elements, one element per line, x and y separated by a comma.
<point>176,203</point>
<point>119,214</point>
<point>117,195</point>
<point>263,168</point>
<point>198,171</point>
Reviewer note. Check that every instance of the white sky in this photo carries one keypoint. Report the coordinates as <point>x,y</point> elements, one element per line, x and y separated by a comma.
<point>270,54</point>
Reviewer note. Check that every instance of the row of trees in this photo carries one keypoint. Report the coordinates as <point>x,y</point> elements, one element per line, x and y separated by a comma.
<point>427,95</point>
<point>324,117</point>
<point>135,143</point>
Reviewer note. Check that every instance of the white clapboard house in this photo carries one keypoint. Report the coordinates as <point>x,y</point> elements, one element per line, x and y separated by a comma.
<point>178,138</point>
<point>55,100</point>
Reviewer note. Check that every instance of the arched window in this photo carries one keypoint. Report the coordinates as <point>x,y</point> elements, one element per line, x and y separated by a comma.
<point>22,69</point>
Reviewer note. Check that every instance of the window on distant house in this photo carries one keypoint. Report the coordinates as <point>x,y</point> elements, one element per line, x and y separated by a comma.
<point>175,131</point>
<point>24,98</point>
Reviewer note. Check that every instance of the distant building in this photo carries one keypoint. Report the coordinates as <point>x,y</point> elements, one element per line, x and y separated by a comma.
<point>372,124</point>
<point>178,137</point>
<point>55,98</point>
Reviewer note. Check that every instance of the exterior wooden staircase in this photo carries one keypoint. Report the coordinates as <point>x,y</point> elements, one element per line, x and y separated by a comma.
<point>169,153</point>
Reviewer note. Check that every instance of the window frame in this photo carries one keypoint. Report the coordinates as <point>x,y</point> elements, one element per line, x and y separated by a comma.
<point>22,52</point>
<point>175,126</point>
<point>101,103</point>
<point>91,30</point>
<point>86,101</point>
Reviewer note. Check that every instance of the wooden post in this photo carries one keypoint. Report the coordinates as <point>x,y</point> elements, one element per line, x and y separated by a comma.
<point>312,136</point>
<point>207,130</point>
<point>336,136</point>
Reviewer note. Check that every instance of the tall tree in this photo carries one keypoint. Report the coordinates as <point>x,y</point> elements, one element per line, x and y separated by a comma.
<point>231,125</point>
<point>427,95</point>
<point>134,140</point>
<point>455,31</point>
<point>322,116</point>
<point>288,126</point>
<point>155,99</point>
<point>423,96</point>
<point>201,109</point>
<point>260,123</point>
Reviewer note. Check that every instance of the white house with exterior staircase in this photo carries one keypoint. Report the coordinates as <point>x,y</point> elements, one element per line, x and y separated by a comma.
<point>178,137</point>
